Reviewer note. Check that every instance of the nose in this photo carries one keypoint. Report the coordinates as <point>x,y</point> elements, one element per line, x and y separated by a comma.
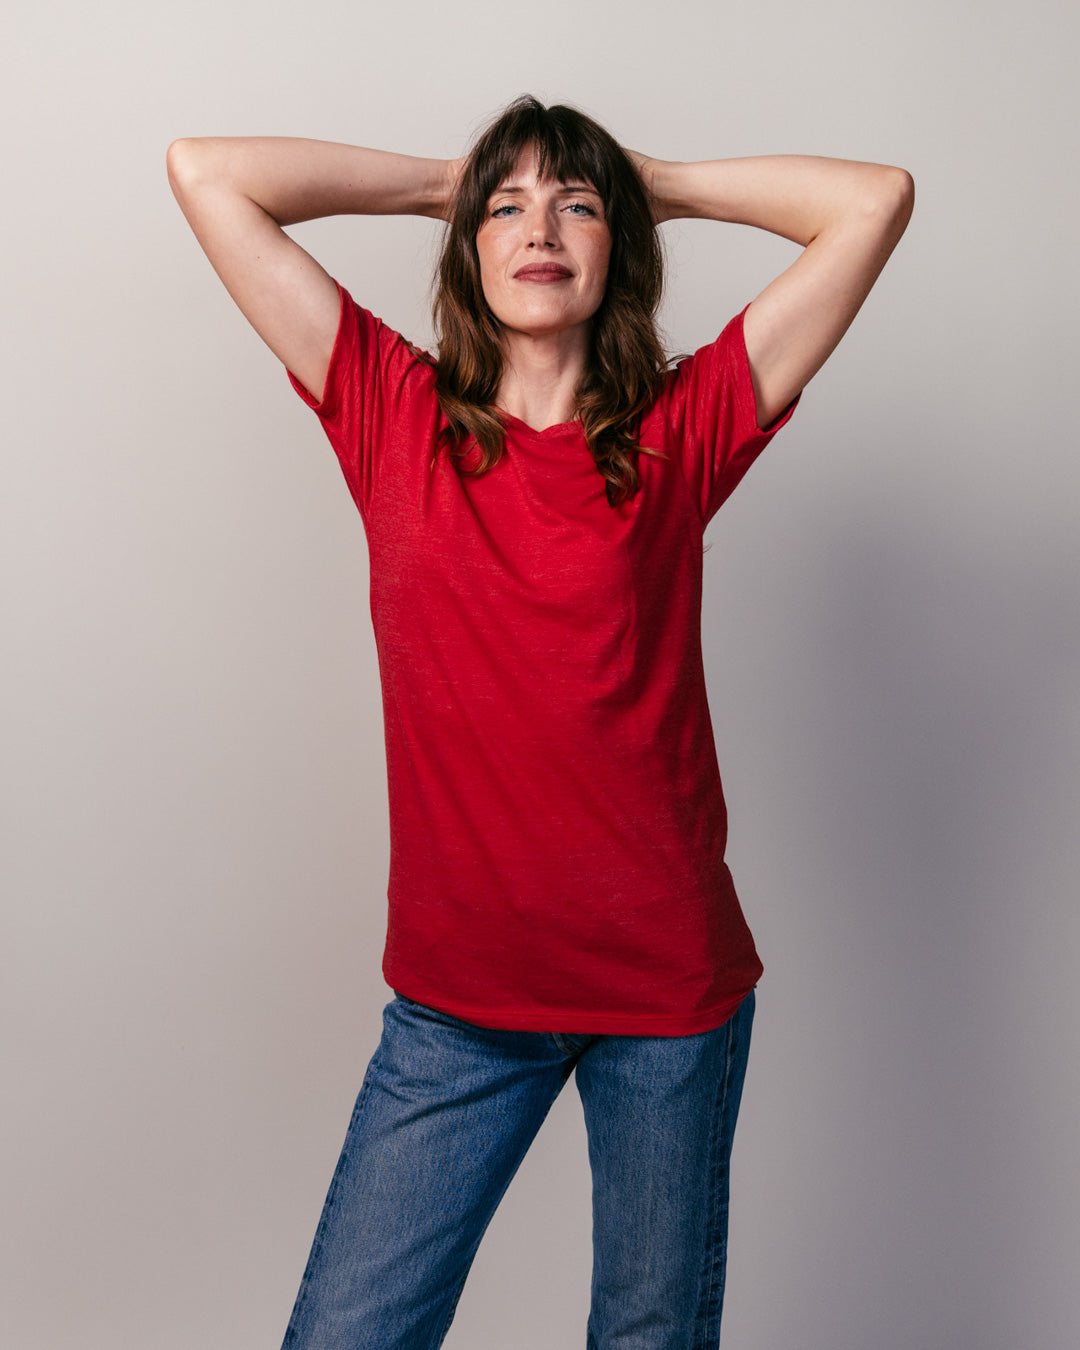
<point>542,231</point>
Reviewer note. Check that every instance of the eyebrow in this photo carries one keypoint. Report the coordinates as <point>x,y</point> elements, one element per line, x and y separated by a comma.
<point>563,188</point>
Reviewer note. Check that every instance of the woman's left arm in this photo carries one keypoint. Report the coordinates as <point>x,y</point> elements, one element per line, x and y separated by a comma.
<point>847,215</point>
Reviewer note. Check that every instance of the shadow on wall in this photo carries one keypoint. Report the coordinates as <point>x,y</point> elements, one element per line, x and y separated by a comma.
<point>926,716</point>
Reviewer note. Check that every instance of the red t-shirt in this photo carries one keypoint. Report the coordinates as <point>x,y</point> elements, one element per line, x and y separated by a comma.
<point>557,825</point>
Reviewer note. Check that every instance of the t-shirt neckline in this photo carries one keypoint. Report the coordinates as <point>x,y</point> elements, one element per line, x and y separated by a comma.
<point>559,428</point>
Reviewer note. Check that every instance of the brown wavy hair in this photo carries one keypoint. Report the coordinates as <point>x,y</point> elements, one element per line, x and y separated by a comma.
<point>625,362</point>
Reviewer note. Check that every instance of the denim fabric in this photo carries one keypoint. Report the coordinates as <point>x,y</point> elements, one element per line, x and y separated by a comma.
<point>445,1115</point>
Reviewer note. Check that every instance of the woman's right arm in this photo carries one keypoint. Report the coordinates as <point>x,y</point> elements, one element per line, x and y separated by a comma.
<point>238,192</point>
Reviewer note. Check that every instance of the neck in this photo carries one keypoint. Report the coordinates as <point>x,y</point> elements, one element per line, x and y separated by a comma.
<point>541,374</point>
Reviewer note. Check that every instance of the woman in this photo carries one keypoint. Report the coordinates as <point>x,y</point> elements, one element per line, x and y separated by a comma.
<point>534,503</point>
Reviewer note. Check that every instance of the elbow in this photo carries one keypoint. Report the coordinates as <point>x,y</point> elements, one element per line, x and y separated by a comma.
<point>879,205</point>
<point>897,198</point>
<point>883,206</point>
<point>177,160</point>
<point>186,160</point>
<point>177,151</point>
<point>906,185</point>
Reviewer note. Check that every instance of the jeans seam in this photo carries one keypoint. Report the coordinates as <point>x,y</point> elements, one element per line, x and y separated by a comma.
<point>324,1219</point>
<point>716,1255</point>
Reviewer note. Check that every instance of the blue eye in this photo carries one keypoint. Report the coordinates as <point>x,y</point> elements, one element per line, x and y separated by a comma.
<point>573,208</point>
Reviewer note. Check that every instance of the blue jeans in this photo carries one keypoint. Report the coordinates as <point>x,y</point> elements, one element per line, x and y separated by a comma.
<point>445,1115</point>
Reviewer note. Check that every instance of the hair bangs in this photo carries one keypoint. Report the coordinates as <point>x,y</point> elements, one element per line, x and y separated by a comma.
<point>567,149</point>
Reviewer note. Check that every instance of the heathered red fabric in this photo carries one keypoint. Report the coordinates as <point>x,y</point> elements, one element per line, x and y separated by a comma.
<point>557,822</point>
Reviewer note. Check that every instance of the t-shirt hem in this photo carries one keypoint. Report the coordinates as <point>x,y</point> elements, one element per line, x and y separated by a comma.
<point>585,1023</point>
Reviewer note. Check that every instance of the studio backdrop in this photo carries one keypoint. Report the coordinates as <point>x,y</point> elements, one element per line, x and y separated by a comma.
<point>194,806</point>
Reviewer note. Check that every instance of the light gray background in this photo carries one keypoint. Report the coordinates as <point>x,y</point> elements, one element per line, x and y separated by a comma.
<point>194,818</point>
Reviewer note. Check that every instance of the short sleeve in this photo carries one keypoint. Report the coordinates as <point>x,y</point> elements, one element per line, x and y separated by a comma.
<point>373,385</point>
<point>711,416</point>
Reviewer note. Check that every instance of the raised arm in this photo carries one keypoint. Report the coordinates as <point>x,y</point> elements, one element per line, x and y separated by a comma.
<point>848,216</point>
<point>238,192</point>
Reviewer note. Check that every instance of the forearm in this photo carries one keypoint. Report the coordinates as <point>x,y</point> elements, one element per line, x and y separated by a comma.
<point>293,179</point>
<point>797,196</point>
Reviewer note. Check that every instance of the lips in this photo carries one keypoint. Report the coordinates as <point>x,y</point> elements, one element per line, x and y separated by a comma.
<point>548,271</point>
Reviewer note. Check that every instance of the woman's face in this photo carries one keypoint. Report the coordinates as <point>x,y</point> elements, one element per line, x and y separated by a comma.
<point>544,250</point>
